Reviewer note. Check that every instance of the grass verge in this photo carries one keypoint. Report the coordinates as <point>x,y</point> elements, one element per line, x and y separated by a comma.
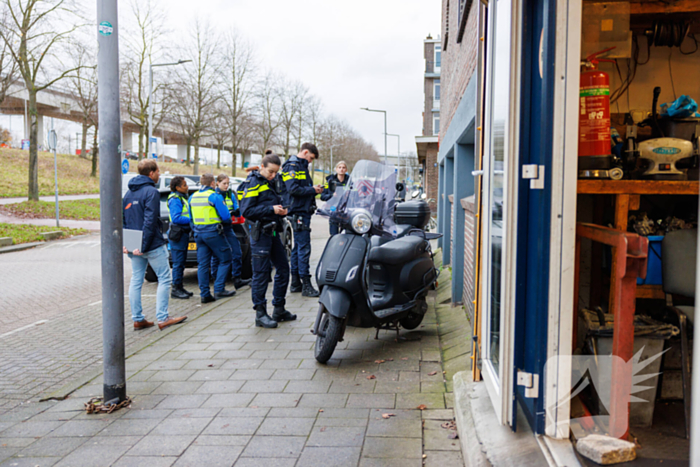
<point>81,209</point>
<point>24,233</point>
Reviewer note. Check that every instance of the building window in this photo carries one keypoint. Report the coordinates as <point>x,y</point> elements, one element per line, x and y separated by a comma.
<point>436,94</point>
<point>436,124</point>
<point>462,14</point>
<point>447,24</point>
<point>438,57</point>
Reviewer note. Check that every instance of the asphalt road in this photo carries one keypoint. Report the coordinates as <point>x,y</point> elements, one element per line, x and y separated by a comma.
<point>50,313</point>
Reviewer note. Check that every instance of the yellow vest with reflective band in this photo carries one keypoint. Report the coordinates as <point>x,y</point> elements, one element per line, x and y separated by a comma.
<point>204,213</point>
<point>185,206</point>
<point>228,201</point>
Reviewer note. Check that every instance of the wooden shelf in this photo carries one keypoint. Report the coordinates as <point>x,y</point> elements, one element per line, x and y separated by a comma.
<point>650,291</point>
<point>680,6</point>
<point>638,187</point>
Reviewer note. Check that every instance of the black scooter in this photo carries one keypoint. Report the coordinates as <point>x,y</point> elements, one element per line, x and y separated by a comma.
<point>370,277</point>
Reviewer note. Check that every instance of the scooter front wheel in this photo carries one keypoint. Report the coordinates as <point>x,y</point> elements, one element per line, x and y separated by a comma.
<point>329,333</point>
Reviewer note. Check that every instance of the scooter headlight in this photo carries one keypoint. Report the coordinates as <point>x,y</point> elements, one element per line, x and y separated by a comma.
<point>361,221</point>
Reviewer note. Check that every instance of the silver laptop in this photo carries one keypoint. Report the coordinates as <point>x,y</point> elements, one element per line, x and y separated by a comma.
<point>133,239</point>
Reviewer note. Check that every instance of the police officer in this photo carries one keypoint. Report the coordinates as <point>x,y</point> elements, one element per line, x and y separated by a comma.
<point>261,204</point>
<point>209,213</point>
<point>179,233</point>
<point>302,201</point>
<point>231,202</point>
<point>339,179</point>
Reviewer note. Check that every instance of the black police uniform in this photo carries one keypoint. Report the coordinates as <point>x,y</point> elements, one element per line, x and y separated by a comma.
<point>301,197</point>
<point>333,182</point>
<point>258,196</point>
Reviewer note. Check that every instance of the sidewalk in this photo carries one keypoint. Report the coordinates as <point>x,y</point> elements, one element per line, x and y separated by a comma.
<point>219,391</point>
<point>90,225</point>
<point>49,198</point>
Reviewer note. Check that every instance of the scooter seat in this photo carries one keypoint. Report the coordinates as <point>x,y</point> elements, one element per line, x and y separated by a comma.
<point>399,251</point>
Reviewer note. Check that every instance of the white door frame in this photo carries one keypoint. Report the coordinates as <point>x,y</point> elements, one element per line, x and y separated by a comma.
<point>563,221</point>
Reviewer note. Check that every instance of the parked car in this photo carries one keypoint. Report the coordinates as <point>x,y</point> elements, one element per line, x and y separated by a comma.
<point>163,182</point>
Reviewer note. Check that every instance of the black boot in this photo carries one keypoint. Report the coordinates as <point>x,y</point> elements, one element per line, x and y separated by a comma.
<point>279,314</point>
<point>176,291</point>
<point>262,319</point>
<point>224,293</point>
<point>296,284</point>
<point>239,283</point>
<point>308,289</point>
<point>186,291</point>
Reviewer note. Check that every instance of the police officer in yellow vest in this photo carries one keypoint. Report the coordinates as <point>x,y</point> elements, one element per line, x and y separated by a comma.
<point>179,234</point>
<point>209,213</point>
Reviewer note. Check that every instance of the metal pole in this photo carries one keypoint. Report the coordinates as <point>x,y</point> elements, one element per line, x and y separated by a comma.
<point>385,137</point>
<point>114,384</point>
<point>26,121</point>
<point>54,143</point>
<point>330,172</point>
<point>150,106</point>
<point>695,390</point>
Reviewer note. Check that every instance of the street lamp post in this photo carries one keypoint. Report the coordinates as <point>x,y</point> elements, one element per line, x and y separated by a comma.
<point>384,112</point>
<point>150,97</point>
<point>334,146</point>
<point>398,154</point>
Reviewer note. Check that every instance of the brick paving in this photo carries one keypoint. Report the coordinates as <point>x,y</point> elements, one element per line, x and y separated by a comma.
<point>219,391</point>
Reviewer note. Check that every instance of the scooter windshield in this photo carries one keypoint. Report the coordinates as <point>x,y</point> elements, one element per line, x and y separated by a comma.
<point>372,188</point>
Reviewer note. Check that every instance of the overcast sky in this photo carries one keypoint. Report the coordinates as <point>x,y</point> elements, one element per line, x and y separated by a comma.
<point>352,54</point>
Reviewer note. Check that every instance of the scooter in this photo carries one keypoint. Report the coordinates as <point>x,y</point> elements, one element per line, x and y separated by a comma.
<point>378,272</point>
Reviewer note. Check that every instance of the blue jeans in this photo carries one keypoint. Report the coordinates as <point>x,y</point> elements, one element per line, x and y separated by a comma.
<point>235,252</point>
<point>158,259</point>
<point>208,245</point>
<point>178,251</point>
<point>301,253</point>
<point>268,250</point>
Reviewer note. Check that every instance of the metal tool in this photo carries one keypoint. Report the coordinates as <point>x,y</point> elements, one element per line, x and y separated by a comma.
<point>615,173</point>
<point>662,154</point>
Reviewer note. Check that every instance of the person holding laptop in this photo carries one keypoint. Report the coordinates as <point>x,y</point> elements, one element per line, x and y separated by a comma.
<point>141,212</point>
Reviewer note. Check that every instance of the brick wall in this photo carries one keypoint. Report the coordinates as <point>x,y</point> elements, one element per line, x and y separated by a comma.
<point>431,176</point>
<point>452,223</point>
<point>428,108</point>
<point>468,293</point>
<point>458,59</point>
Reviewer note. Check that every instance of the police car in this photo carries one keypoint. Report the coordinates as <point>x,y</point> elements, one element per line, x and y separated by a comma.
<point>240,229</point>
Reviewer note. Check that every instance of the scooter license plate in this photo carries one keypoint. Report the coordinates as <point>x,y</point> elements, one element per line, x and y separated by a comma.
<point>192,246</point>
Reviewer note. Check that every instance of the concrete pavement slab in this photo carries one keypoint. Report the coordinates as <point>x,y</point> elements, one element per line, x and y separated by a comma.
<point>329,457</point>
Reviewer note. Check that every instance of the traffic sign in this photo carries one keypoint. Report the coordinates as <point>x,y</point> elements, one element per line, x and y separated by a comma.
<point>125,166</point>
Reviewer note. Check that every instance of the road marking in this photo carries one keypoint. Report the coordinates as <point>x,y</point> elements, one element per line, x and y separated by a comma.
<point>38,323</point>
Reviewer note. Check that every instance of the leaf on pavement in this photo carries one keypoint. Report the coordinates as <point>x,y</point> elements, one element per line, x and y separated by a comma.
<point>379,361</point>
<point>371,377</point>
<point>422,407</point>
<point>453,435</point>
<point>432,373</point>
<point>388,415</point>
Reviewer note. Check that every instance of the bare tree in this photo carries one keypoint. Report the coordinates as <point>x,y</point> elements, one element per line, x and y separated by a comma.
<point>34,34</point>
<point>220,133</point>
<point>84,87</point>
<point>291,97</point>
<point>143,40</point>
<point>237,72</point>
<point>8,66</point>
<point>198,82</point>
<point>268,111</point>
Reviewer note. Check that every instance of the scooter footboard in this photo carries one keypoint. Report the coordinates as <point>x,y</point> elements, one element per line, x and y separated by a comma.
<point>336,300</point>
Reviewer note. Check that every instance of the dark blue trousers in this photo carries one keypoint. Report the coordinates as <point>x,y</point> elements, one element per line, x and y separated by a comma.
<point>208,245</point>
<point>301,253</point>
<point>269,251</point>
<point>178,252</point>
<point>236,253</point>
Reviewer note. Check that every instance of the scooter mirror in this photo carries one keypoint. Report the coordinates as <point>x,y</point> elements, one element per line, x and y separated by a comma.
<point>424,196</point>
<point>400,187</point>
<point>415,194</point>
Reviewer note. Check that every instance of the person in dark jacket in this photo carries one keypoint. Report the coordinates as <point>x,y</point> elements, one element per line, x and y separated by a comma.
<point>179,233</point>
<point>333,181</point>
<point>262,205</point>
<point>301,197</point>
<point>141,211</point>
<point>231,202</point>
<point>209,214</point>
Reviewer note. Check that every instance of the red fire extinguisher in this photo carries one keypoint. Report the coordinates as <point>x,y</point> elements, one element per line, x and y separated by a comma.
<point>594,114</point>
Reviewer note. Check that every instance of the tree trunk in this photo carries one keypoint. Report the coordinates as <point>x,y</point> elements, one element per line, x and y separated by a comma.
<point>95,149</point>
<point>218,156</point>
<point>141,143</point>
<point>83,147</point>
<point>189,144</point>
<point>242,159</point>
<point>33,185</point>
<point>195,170</point>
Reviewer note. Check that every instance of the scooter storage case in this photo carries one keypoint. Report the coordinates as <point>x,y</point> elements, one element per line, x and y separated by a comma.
<point>415,213</point>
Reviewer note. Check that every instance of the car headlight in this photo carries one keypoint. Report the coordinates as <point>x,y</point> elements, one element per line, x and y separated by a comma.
<point>361,222</point>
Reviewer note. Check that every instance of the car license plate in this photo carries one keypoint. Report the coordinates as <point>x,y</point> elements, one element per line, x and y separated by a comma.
<point>192,246</point>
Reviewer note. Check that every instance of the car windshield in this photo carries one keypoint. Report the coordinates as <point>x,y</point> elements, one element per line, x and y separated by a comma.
<point>372,188</point>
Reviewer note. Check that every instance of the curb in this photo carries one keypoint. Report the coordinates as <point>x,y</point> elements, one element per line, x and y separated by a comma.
<point>67,389</point>
<point>20,247</point>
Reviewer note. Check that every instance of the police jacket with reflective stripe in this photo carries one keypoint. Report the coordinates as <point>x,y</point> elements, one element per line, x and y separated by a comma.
<point>208,210</point>
<point>258,196</point>
<point>327,193</point>
<point>179,209</point>
<point>141,211</point>
<point>300,190</point>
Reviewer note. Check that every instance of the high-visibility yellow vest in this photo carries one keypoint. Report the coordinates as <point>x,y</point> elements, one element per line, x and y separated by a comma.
<point>203,213</point>
<point>229,201</point>
<point>185,205</point>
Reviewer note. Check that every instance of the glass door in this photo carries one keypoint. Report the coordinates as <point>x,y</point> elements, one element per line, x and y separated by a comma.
<point>500,119</point>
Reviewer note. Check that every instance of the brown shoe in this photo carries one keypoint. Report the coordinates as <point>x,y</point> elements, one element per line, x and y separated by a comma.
<point>142,324</point>
<point>170,321</point>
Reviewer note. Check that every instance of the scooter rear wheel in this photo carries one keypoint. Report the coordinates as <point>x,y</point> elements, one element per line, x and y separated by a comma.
<point>412,321</point>
<point>332,328</point>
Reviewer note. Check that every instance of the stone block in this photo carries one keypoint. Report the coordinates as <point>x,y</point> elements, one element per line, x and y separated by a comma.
<point>5,241</point>
<point>54,235</point>
<point>606,450</point>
